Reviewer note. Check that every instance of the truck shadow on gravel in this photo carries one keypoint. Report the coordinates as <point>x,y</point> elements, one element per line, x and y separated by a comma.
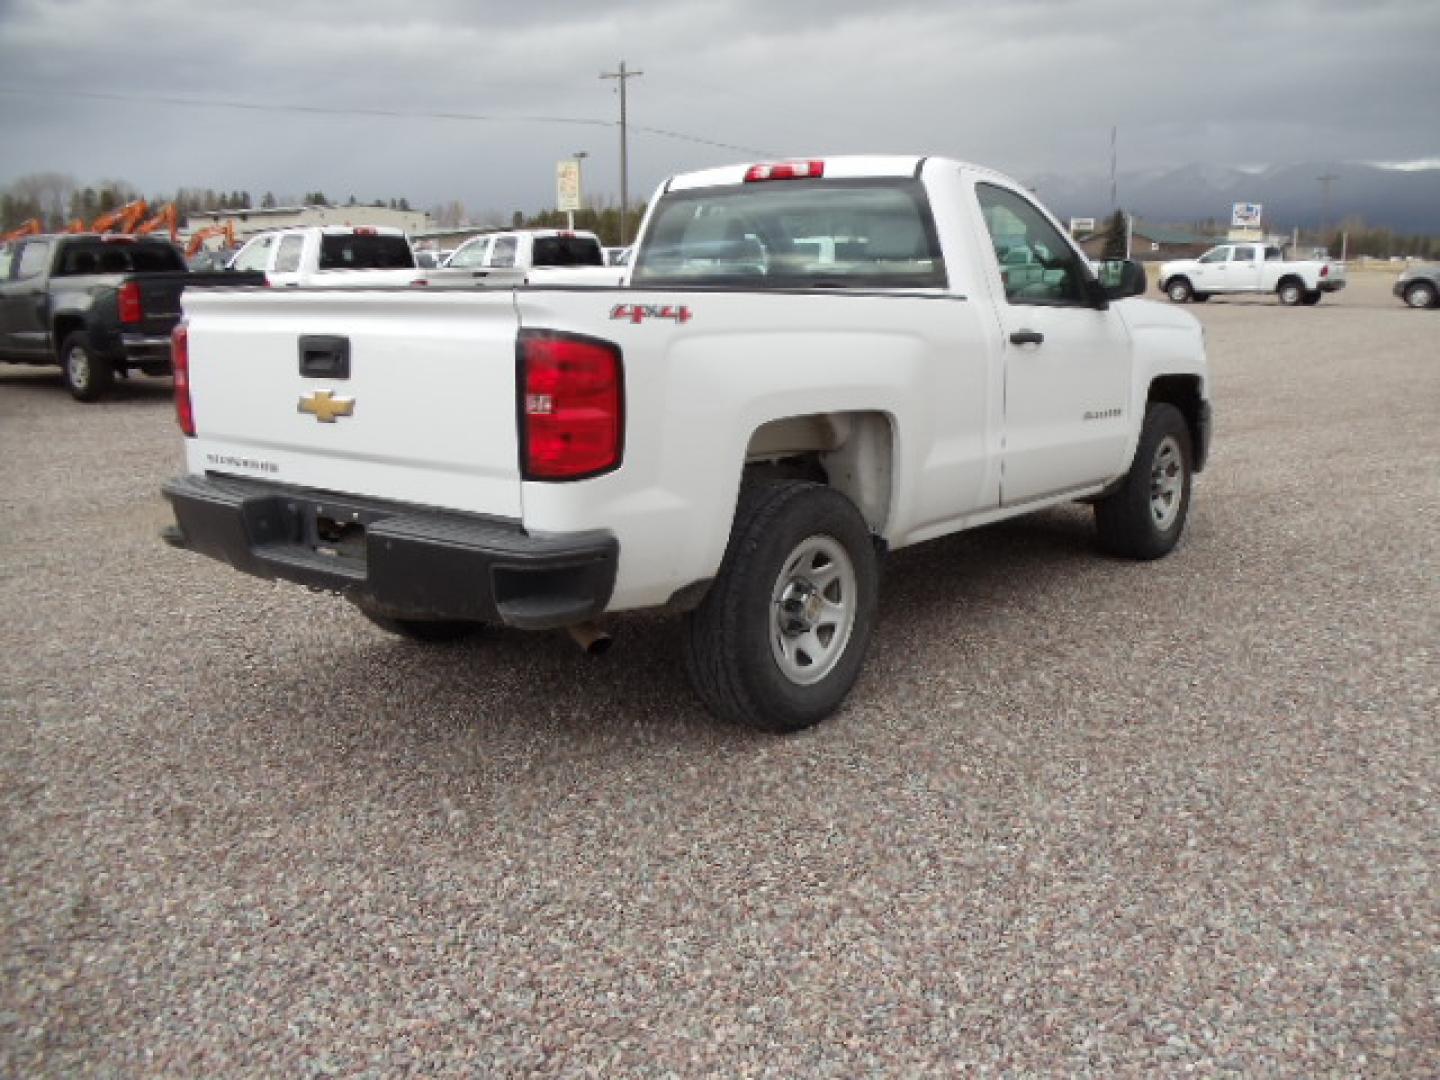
<point>508,690</point>
<point>48,381</point>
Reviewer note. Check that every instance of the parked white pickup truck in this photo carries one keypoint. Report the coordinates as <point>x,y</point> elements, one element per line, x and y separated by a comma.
<point>1250,268</point>
<point>330,256</point>
<point>737,435</point>
<point>526,257</point>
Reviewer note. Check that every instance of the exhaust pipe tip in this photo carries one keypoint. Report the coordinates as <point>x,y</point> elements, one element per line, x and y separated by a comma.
<point>592,640</point>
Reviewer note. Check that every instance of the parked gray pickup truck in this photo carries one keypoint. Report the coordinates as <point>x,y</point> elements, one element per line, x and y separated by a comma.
<point>96,305</point>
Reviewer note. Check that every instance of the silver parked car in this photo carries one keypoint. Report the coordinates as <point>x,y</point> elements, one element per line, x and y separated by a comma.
<point>1419,285</point>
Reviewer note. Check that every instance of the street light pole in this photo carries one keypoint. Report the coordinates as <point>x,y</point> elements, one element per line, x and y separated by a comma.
<point>623,76</point>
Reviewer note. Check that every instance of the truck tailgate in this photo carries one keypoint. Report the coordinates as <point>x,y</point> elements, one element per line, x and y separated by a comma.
<point>403,395</point>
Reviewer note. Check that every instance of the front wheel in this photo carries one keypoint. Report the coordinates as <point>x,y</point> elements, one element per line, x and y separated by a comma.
<point>1290,293</point>
<point>88,377</point>
<point>1179,291</point>
<point>781,636</point>
<point>1144,517</point>
<point>1420,295</point>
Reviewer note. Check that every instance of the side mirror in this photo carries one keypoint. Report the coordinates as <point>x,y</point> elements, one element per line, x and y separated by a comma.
<point>1121,278</point>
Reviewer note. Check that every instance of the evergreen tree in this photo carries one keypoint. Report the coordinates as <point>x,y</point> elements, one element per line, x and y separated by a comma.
<point>1115,236</point>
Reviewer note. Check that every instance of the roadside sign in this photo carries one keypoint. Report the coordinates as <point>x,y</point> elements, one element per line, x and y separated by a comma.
<point>1245,215</point>
<point>567,185</point>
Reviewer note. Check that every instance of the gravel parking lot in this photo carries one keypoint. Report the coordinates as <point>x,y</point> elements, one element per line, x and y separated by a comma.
<point>1080,816</point>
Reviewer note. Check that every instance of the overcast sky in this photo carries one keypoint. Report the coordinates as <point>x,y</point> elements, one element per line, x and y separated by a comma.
<point>1028,86</point>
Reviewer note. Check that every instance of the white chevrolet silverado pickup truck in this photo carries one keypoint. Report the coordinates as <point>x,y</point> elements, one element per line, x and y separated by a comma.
<point>812,362</point>
<point>526,257</point>
<point>1250,268</point>
<point>330,256</point>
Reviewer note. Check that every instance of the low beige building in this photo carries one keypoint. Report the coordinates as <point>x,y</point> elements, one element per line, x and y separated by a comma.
<point>249,222</point>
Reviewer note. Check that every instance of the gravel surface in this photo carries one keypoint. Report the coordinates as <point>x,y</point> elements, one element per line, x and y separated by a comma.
<point>1080,816</point>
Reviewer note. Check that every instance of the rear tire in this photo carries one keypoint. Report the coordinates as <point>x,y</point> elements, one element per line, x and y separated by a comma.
<point>1179,291</point>
<point>1290,292</point>
<point>1421,295</point>
<point>87,376</point>
<point>1144,517</point>
<point>780,638</point>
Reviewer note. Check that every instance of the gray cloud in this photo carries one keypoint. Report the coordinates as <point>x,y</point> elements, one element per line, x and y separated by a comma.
<point>1031,86</point>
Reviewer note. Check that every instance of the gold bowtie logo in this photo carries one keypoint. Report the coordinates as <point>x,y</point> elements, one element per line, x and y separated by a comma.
<point>325,406</point>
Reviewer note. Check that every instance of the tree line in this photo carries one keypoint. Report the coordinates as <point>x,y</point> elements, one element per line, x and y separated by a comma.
<point>56,199</point>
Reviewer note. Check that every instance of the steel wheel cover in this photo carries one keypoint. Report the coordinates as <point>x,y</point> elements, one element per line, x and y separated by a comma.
<point>1167,483</point>
<point>77,366</point>
<point>812,610</point>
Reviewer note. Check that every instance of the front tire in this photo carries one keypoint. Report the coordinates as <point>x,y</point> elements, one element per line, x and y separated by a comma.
<point>1291,293</point>
<point>1179,291</point>
<point>88,377</point>
<point>1144,517</point>
<point>781,636</point>
<point>1421,295</point>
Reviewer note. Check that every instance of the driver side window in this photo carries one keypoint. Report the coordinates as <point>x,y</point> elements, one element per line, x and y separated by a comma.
<point>1036,264</point>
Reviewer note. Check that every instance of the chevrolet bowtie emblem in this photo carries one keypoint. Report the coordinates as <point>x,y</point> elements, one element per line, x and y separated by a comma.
<point>325,406</point>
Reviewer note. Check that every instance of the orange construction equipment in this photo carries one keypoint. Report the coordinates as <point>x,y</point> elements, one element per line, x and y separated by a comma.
<point>77,225</point>
<point>30,228</point>
<point>168,218</point>
<point>122,220</point>
<point>198,238</point>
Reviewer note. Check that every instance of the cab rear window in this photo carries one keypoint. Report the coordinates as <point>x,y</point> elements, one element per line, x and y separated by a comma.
<point>360,251</point>
<point>114,257</point>
<point>794,234</point>
<point>568,251</point>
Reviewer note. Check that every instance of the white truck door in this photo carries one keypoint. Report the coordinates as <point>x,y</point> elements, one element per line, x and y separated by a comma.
<point>1212,271</point>
<point>1067,363</point>
<point>1244,269</point>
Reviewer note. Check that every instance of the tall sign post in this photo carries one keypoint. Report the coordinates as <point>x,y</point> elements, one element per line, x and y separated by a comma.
<point>567,188</point>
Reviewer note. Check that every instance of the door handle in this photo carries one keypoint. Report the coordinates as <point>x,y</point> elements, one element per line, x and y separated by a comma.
<point>1026,337</point>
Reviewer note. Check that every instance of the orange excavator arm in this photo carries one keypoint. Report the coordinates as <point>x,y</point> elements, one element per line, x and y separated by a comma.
<point>168,218</point>
<point>197,240</point>
<point>77,225</point>
<point>123,219</point>
<point>31,228</point>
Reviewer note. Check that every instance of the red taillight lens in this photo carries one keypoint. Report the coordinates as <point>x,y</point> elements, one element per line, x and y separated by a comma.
<point>786,170</point>
<point>571,406</point>
<point>132,310</point>
<point>180,364</point>
<point>1324,271</point>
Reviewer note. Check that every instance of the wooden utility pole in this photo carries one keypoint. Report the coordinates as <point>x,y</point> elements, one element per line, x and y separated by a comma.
<point>623,76</point>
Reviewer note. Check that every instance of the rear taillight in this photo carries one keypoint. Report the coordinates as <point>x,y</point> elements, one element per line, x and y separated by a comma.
<point>132,310</point>
<point>572,396</point>
<point>1324,271</point>
<point>786,170</point>
<point>180,364</point>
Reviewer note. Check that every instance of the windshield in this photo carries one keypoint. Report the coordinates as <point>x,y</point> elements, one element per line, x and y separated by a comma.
<point>794,234</point>
<point>365,251</point>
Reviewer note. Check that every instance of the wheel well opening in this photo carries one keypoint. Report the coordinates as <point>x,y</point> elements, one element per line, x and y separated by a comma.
<point>851,452</point>
<point>1183,391</point>
<point>65,325</point>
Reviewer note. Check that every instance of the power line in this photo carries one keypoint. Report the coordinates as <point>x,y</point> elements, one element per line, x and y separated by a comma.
<point>389,114</point>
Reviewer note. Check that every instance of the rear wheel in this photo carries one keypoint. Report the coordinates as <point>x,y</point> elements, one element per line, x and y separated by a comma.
<point>780,638</point>
<point>1179,291</point>
<point>1420,295</point>
<point>1144,517</point>
<point>88,377</point>
<point>1290,292</point>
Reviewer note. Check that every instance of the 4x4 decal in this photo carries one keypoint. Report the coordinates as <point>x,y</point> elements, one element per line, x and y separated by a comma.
<point>638,313</point>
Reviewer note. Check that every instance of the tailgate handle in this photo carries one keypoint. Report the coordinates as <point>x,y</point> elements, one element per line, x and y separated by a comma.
<point>323,356</point>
